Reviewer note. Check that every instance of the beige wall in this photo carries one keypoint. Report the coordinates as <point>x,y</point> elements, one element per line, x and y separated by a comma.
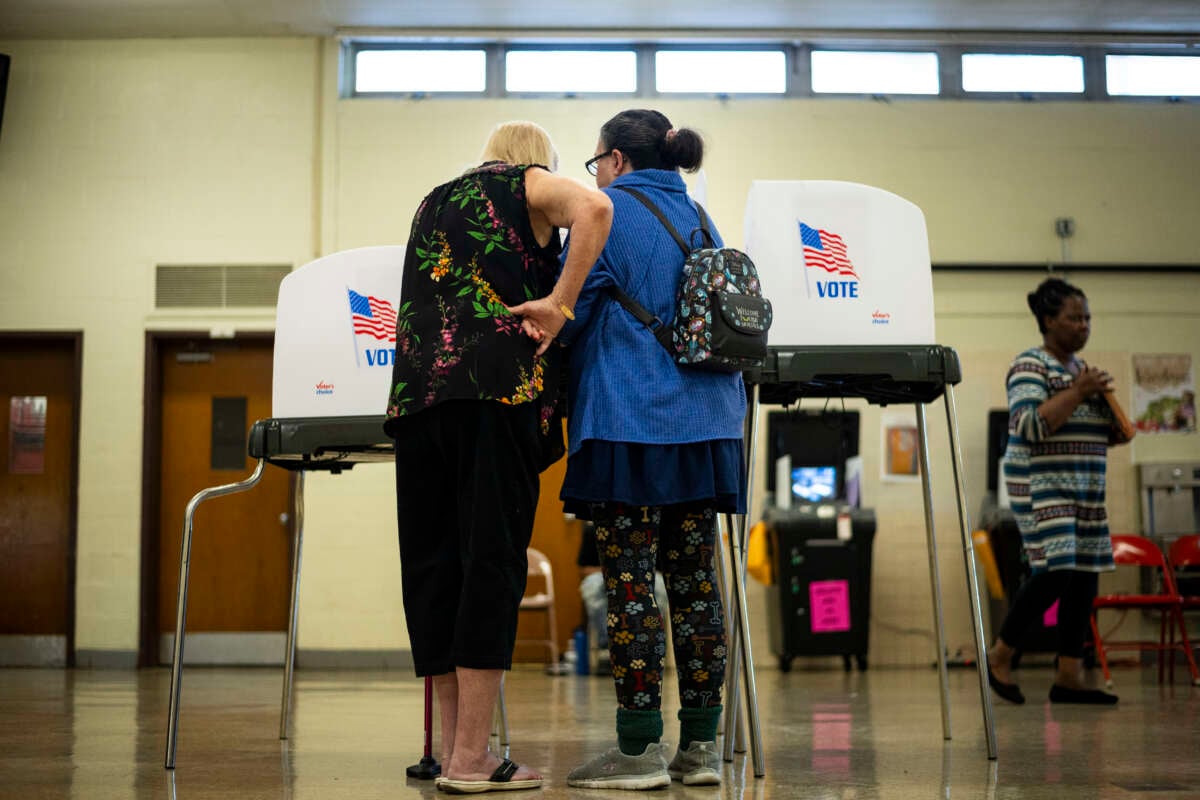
<point>118,155</point>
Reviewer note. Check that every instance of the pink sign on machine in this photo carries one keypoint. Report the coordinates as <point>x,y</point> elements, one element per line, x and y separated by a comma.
<point>829,604</point>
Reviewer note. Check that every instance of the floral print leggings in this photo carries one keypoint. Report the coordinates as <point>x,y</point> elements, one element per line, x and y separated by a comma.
<point>679,539</point>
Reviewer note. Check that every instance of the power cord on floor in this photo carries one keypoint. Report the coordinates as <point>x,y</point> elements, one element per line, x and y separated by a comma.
<point>963,656</point>
<point>900,629</point>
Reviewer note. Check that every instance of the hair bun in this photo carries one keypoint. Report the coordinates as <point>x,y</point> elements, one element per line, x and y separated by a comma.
<point>684,148</point>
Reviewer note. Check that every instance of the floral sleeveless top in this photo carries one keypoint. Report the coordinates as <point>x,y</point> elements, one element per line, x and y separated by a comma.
<point>472,251</point>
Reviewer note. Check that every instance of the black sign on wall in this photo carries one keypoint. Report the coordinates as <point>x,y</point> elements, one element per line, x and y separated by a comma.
<point>228,433</point>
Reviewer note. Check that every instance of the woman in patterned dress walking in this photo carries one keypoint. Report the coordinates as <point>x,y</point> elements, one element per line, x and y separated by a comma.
<point>1059,431</point>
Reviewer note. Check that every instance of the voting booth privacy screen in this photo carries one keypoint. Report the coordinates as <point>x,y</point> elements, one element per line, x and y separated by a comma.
<point>335,334</point>
<point>842,263</point>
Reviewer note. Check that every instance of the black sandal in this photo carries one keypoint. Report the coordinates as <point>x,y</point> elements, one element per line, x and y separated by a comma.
<point>501,781</point>
<point>1009,691</point>
<point>1091,697</point>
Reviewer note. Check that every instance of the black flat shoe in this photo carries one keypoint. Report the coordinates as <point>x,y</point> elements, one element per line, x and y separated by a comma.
<point>1009,691</point>
<point>1091,697</point>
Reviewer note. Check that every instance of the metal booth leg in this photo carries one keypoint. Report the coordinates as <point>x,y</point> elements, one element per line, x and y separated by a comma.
<point>722,570</point>
<point>185,555</point>
<point>935,581</point>
<point>960,493</point>
<point>739,633</point>
<point>500,722</point>
<point>733,637</point>
<point>734,731</point>
<point>289,658</point>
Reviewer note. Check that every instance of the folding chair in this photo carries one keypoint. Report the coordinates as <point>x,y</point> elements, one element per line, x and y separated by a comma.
<point>1138,551</point>
<point>542,599</point>
<point>1184,554</point>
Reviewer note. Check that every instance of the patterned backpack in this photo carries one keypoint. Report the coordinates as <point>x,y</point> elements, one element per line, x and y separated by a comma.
<point>721,317</point>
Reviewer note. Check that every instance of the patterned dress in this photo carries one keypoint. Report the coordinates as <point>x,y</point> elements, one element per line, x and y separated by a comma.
<point>471,252</point>
<point>1056,480</point>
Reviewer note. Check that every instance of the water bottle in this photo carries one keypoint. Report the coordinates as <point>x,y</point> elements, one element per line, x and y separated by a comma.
<point>582,662</point>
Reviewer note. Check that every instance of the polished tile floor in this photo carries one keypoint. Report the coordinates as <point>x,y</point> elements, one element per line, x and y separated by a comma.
<point>826,734</point>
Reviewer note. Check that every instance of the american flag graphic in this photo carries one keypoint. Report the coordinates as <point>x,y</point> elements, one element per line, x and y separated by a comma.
<point>826,251</point>
<point>372,316</point>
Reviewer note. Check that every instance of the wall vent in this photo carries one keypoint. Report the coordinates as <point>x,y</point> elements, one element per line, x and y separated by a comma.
<point>218,285</point>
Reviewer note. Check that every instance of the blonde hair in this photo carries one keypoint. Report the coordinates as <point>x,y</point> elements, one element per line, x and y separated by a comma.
<point>520,142</point>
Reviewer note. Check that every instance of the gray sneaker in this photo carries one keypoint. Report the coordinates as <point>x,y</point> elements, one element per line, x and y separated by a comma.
<point>698,765</point>
<point>615,770</point>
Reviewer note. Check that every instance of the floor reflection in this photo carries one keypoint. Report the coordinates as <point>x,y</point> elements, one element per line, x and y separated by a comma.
<point>825,735</point>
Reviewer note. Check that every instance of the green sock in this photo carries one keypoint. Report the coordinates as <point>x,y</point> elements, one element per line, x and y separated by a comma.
<point>636,729</point>
<point>698,725</point>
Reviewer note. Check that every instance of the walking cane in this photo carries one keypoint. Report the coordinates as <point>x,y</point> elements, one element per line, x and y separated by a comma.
<point>428,767</point>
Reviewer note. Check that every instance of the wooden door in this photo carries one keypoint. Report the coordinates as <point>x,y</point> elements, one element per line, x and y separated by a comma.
<point>239,588</point>
<point>38,440</point>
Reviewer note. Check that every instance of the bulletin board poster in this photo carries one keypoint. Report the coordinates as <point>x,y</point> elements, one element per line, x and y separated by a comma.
<point>899,447</point>
<point>1164,393</point>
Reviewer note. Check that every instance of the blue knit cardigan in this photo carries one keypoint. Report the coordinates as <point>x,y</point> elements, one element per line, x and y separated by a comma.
<point>625,387</point>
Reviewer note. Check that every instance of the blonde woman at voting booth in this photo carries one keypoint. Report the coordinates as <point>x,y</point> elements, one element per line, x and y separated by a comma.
<point>473,409</point>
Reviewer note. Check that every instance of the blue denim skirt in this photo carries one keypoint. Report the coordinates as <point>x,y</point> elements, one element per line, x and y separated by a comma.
<point>656,475</point>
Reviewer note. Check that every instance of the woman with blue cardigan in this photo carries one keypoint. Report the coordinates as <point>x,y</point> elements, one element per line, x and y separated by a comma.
<point>655,454</point>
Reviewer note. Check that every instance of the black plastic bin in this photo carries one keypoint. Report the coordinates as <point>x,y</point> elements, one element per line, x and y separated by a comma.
<point>1007,550</point>
<point>822,591</point>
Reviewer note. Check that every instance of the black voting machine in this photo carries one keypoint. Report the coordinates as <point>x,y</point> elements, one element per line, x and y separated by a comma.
<point>821,545</point>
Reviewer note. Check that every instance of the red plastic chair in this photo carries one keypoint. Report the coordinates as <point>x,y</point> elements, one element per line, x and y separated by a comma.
<point>1185,554</point>
<point>1138,551</point>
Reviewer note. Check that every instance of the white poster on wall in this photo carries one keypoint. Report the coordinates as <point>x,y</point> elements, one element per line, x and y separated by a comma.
<point>1164,393</point>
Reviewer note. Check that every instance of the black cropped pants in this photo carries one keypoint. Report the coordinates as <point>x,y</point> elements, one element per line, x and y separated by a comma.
<point>466,493</point>
<point>1074,589</point>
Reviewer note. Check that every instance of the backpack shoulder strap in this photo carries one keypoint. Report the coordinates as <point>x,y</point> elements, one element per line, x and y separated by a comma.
<point>705,226</point>
<point>661,332</point>
<point>648,203</point>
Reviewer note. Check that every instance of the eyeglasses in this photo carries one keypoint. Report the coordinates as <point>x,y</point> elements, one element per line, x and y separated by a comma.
<point>591,166</point>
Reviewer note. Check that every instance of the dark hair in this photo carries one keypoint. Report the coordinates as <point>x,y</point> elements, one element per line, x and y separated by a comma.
<point>649,142</point>
<point>1047,300</point>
